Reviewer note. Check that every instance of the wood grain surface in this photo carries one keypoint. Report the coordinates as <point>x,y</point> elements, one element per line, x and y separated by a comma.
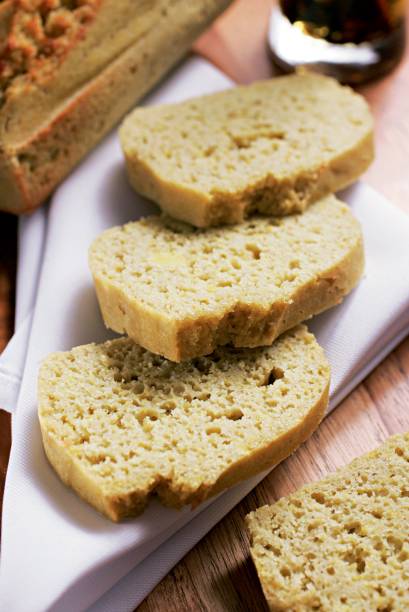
<point>217,575</point>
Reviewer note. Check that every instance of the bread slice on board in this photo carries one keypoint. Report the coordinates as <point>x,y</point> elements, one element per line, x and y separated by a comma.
<point>180,292</point>
<point>120,424</point>
<point>342,543</point>
<point>70,70</point>
<point>272,147</point>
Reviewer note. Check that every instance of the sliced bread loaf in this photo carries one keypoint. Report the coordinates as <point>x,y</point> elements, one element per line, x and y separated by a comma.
<point>69,69</point>
<point>120,424</point>
<point>272,147</point>
<point>180,292</point>
<point>340,544</point>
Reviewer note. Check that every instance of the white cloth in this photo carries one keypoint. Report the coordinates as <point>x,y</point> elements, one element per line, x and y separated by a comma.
<point>58,553</point>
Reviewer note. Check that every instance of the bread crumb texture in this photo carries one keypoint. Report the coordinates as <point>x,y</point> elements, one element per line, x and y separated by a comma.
<point>340,544</point>
<point>180,291</point>
<point>40,33</point>
<point>120,424</point>
<point>272,147</point>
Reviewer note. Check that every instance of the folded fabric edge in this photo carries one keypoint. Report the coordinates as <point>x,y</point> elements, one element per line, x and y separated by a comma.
<point>12,362</point>
<point>367,368</point>
<point>9,389</point>
<point>32,235</point>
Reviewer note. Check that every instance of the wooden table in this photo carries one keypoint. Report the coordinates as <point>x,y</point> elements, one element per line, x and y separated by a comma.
<point>217,574</point>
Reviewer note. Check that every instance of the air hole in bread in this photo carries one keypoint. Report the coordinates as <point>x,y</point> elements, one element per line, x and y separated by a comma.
<point>275,374</point>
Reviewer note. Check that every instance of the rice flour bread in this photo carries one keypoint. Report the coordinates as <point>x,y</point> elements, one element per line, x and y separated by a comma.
<point>120,424</point>
<point>272,147</point>
<point>340,544</point>
<point>70,70</point>
<point>180,292</point>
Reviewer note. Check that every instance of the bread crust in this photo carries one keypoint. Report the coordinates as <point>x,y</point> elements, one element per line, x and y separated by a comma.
<point>31,169</point>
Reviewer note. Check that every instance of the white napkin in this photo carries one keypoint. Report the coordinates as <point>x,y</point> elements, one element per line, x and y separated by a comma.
<point>59,554</point>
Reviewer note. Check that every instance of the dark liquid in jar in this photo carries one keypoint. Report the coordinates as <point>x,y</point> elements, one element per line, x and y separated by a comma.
<point>343,21</point>
<point>364,38</point>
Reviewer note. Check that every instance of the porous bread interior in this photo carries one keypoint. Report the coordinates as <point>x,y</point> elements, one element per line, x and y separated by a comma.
<point>120,423</point>
<point>181,292</point>
<point>170,267</point>
<point>272,147</point>
<point>342,543</point>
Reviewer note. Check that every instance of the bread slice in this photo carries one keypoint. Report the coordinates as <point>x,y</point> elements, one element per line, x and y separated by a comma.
<point>272,147</point>
<point>70,70</point>
<point>342,543</point>
<point>120,424</point>
<point>181,292</point>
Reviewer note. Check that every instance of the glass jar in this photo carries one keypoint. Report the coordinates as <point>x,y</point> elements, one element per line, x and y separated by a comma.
<point>353,40</point>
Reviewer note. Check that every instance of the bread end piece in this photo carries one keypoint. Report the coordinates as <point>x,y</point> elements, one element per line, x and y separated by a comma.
<point>341,543</point>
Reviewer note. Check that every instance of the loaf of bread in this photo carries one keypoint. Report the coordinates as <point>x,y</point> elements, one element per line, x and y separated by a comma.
<point>180,292</point>
<point>120,424</point>
<point>69,70</point>
<point>272,147</point>
<point>340,544</point>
